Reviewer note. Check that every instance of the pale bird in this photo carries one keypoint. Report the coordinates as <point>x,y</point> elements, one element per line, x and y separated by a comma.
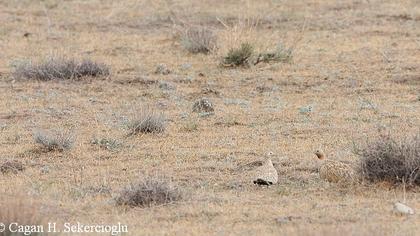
<point>335,171</point>
<point>403,209</point>
<point>266,174</point>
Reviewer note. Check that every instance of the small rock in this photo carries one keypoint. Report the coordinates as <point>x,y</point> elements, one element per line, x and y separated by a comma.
<point>209,90</point>
<point>263,89</point>
<point>286,219</point>
<point>3,127</point>
<point>205,114</point>
<point>45,170</point>
<point>402,209</point>
<point>183,80</point>
<point>187,80</point>
<point>234,185</point>
<point>166,86</point>
<point>162,69</point>
<point>203,105</point>
<point>184,115</point>
<point>11,166</point>
<point>186,66</point>
<point>241,102</point>
<point>306,110</point>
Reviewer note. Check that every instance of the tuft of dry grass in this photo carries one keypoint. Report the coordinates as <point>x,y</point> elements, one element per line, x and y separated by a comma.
<point>239,56</point>
<point>56,140</point>
<point>392,160</point>
<point>11,166</point>
<point>147,122</point>
<point>21,211</point>
<point>61,69</point>
<point>280,54</point>
<point>198,40</point>
<point>150,191</point>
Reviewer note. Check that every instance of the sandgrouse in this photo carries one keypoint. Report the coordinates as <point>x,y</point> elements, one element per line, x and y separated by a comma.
<point>335,171</point>
<point>266,174</point>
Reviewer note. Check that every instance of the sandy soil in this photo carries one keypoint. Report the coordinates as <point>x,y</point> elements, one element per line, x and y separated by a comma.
<point>355,65</point>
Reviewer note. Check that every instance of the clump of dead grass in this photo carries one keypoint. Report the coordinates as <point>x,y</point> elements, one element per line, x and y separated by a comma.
<point>61,69</point>
<point>150,191</point>
<point>198,40</point>
<point>55,140</point>
<point>392,160</point>
<point>21,211</point>
<point>147,122</point>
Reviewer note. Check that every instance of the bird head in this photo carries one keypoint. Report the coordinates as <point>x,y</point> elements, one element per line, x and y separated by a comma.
<point>320,154</point>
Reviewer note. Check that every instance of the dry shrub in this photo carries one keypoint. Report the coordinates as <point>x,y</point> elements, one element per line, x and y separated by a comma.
<point>199,40</point>
<point>150,191</point>
<point>60,69</point>
<point>147,122</point>
<point>390,159</point>
<point>21,211</point>
<point>56,140</point>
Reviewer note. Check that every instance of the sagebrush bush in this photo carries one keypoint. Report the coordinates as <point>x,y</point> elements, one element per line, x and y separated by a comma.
<point>239,56</point>
<point>198,40</point>
<point>21,211</point>
<point>60,69</point>
<point>150,191</point>
<point>56,140</point>
<point>147,122</point>
<point>392,160</point>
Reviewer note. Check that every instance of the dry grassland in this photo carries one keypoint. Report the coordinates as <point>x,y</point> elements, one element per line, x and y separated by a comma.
<point>355,72</point>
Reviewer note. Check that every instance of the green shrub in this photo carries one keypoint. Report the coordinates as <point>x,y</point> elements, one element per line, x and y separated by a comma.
<point>239,56</point>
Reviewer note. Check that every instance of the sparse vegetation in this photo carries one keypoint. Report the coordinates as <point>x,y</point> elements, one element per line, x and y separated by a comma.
<point>392,160</point>
<point>109,144</point>
<point>345,70</point>
<point>151,190</point>
<point>239,56</point>
<point>190,126</point>
<point>60,69</point>
<point>147,122</point>
<point>198,40</point>
<point>21,211</point>
<point>162,69</point>
<point>55,140</point>
<point>11,166</point>
<point>281,54</point>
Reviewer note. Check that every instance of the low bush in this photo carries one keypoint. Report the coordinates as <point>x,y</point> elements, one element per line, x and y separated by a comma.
<point>392,160</point>
<point>149,191</point>
<point>60,69</point>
